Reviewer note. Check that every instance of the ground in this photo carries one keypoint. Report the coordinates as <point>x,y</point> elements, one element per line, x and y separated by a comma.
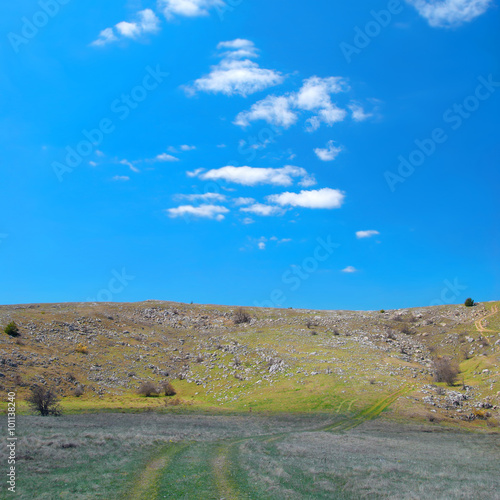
<point>291,404</point>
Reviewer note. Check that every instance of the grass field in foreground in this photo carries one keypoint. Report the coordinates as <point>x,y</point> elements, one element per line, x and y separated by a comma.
<point>152,456</point>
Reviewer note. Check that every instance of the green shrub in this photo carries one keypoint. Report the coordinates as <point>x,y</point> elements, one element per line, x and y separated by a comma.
<point>469,303</point>
<point>12,330</point>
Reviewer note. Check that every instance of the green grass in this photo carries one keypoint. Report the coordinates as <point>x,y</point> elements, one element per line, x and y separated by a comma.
<point>325,456</point>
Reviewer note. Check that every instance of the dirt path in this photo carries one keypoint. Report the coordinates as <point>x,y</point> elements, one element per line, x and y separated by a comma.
<point>479,322</point>
<point>146,486</point>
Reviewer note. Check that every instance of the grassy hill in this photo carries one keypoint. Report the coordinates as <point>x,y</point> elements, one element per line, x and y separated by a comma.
<point>277,361</point>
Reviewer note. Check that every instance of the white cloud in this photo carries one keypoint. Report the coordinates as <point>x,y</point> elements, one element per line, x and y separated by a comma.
<point>450,13</point>
<point>186,147</point>
<point>261,245</point>
<point>188,8</point>
<point>321,198</point>
<point>330,153</point>
<point>236,73</point>
<point>164,157</point>
<point>207,197</point>
<point>366,234</point>
<point>350,269</point>
<point>105,36</point>
<point>122,178</point>
<point>263,210</point>
<point>250,176</point>
<point>195,173</point>
<point>248,220</point>
<point>147,22</point>
<point>92,163</point>
<point>315,96</point>
<point>243,201</point>
<point>214,212</point>
<point>358,113</point>
<point>130,165</point>
<point>273,109</point>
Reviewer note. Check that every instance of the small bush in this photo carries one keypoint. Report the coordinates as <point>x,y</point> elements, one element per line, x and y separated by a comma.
<point>445,370</point>
<point>241,316</point>
<point>336,332</point>
<point>148,389</point>
<point>82,349</point>
<point>44,401</point>
<point>12,330</point>
<point>469,303</point>
<point>168,389</point>
<point>314,332</point>
<point>382,311</point>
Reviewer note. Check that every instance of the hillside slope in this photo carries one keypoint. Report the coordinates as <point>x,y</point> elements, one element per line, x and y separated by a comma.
<point>281,360</point>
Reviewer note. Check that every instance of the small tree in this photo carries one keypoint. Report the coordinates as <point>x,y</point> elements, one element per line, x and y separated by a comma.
<point>44,401</point>
<point>445,370</point>
<point>469,302</point>
<point>12,329</point>
<point>241,316</point>
<point>148,389</point>
<point>168,389</point>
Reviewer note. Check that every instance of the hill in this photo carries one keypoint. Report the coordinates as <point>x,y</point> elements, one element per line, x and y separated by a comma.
<point>276,360</point>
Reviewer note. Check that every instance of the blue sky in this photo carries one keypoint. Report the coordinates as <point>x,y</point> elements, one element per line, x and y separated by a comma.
<point>320,155</point>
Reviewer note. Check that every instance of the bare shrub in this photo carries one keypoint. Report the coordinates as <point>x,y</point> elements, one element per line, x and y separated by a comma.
<point>406,330</point>
<point>445,370</point>
<point>44,401</point>
<point>314,332</point>
<point>241,316</point>
<point>168,389</point>
<point>148,389</point>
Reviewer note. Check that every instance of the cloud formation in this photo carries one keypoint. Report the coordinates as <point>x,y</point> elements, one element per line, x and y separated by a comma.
<point>350,270</point>
<point>366,234</point>
<point>314,97</point>
<point>236,74</point>
<point>326,198</point>
<point>146,22</point>
<point>330,153</point>
<point>250,176</point>
<point>214,212</point>
<point>450,13</point>
<point>188,8</point>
